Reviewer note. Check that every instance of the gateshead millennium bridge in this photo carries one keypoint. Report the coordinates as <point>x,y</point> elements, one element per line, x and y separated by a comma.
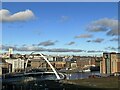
<point>55,74</point>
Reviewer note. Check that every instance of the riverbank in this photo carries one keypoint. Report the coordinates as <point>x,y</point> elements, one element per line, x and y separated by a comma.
<point>103,82</point>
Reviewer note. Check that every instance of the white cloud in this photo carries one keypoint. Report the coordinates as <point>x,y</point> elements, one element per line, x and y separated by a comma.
<point>84,36</point>
<point>114,39</point>
<point>111,48</point>
<point>105,24</point>
<point>97,40</point>
<point>113,32</point>
<point>95,51</point>
<point>47,43</point>
<point>92,28</point>
<point>70,43</point>
<point>109,22</point>
<point>37,48</point>
<point>6,16</point>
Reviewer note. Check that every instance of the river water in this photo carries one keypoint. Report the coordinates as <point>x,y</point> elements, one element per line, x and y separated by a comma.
<point>81,75</point>
<point>71,76</point>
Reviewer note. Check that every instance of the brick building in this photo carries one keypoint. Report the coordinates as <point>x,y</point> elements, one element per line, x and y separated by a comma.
<point>38,63</point>
<point>83,61</point>
<point>110,63</point>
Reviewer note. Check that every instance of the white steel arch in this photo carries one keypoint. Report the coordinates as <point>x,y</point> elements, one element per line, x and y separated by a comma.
<point>58,77</point>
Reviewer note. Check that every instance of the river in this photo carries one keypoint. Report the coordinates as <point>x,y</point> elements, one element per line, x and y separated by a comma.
<point>45,82</point>
<point>70,76</point>
<point>81,75</point>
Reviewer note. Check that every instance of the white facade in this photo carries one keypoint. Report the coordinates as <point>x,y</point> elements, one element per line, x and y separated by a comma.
<point>10,50</point>
<point>50,58</point>
<point>16,64</point>
<point>0,69</point>
<point>73,65</point>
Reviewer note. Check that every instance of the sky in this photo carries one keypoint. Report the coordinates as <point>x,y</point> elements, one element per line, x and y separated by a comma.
<point>60,1</point>
<point>84,28</point>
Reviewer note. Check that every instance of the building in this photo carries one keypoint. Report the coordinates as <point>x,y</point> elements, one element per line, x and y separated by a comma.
<point>110,63</point>
<point>4,66</point>
<point>10,50</point>
<point>84,61</point>
<point>73,65</point>
<point>55,58</point>
<point>17,64</point>
<point>59,65</point>
<point>41,63</point>
<point>38,63</point>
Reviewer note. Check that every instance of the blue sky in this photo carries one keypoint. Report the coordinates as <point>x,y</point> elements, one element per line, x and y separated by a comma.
<point>86,27</point>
